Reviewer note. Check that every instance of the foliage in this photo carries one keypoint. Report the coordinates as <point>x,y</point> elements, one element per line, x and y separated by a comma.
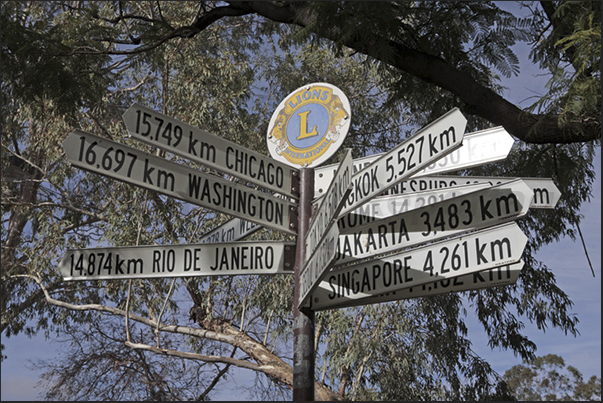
<point>68,65</point>
<point>547,378</point>
<point>113,371</point>
<point>572,53</point>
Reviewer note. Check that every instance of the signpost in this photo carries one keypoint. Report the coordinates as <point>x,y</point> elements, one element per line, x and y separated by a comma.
<point>494,277</point>
<point>268,257</point>
<point>418,151</point>
<point>127,164</point>
<point>464,254</point>
<point>304,319</point>
<point>475,210</point>
<point>200,146</point>
<point>355,246</point>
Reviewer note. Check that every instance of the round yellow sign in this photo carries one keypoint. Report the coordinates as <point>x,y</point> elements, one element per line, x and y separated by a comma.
<point>309,125</point>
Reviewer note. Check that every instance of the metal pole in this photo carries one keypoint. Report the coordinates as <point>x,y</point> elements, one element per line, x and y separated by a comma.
<point>303,328</point>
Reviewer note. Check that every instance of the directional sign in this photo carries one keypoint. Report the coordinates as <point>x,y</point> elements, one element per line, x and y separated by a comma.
<point>475,210</point>
<point>415,153</point>
<point>478,148</point>
<point>546,194</point>
<point>465,254</point>
<point>232,230</point>
<point>127,164</point>
<point>318,264</point>
<point>266,257</point>
<point>200,146</point>
<point>495,277</point>
<point>387,206</point>
<point>331,204</point>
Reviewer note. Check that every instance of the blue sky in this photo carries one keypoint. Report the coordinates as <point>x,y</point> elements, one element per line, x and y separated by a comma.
<point>566,259</point>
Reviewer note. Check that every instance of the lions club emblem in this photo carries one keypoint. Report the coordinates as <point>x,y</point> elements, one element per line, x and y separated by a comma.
<point>309,125</point>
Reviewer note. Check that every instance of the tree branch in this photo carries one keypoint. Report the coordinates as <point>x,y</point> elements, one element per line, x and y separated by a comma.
<point>201,22</point>
<point>479,100</point>
<point>195,356</point>
<point>269,364</point>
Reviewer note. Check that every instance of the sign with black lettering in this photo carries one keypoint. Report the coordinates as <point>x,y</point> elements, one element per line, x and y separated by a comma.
<point>495,277</point>
<point>127,164</point>
<point>387,206</point>
<point>232,230</point>
<point>458,256</point>
<point>205,148</point>
<point>546,194</point>
<point>474,210</point>
<point>267,257</point>
<point>318,264</point>
<point>478,148</point>
<point>330,205</point>
<point>429,144</point>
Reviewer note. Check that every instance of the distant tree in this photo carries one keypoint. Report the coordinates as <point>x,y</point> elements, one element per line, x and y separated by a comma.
<point>548,379</point>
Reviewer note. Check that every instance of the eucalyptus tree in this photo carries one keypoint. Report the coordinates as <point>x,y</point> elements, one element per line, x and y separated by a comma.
<point>224,67</point>
<point>548,378</point>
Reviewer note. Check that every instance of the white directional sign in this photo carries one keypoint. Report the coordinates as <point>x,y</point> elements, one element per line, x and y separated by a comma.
<point>200,146</point>
<point>179,260</point>
<point>475,210</point>
<point>318,264</point>
<point>465,254</point>
<point>387,206</point>
<point>478,148</point>
<point>127,164</point>
<point>330,206</point>
<point>546,194</point>
<point>415,153</point>
<point>232,230</point>
<point>495,277</point>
